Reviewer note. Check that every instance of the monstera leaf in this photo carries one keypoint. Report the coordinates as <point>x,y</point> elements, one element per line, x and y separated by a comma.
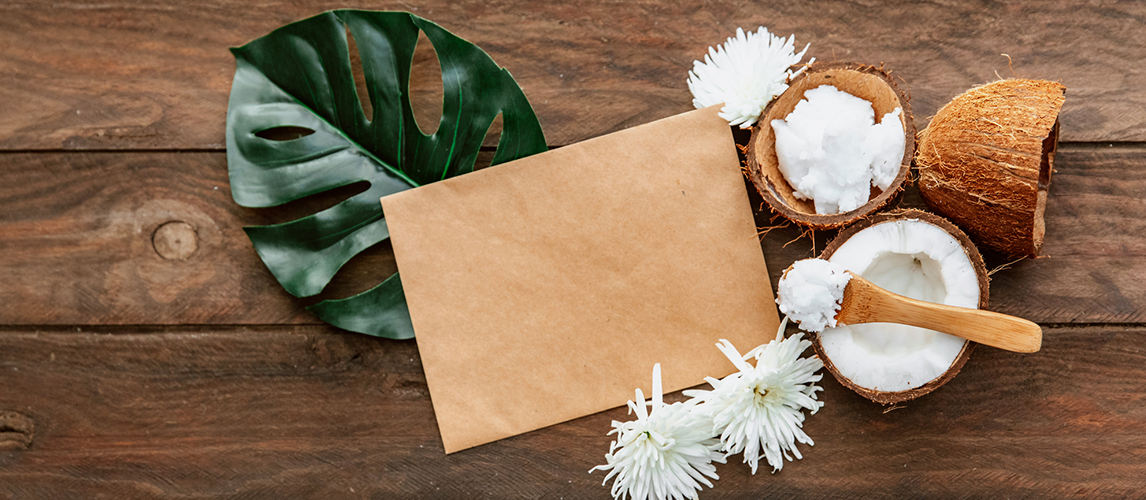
<point>299,78</point>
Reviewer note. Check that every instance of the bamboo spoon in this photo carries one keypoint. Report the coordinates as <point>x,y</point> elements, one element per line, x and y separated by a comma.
<point>864,302</point>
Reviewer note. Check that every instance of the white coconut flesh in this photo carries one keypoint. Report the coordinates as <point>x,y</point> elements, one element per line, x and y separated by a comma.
<point>831,150</point>
<point>915,259</point>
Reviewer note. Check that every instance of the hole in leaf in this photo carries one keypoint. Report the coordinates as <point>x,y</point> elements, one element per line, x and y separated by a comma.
<point>493,134</point>
<point>361,273</point>
<point>284,133</point>
<point>306,205</point>
<point>426,86</point>
<point>359,76</point>
<point>484,159</point>
<point>489,144</point>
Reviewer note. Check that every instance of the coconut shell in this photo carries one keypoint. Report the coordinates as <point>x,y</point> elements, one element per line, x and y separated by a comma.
<point>985,162</point>
<point>866,82</point>
<point>984,292</point>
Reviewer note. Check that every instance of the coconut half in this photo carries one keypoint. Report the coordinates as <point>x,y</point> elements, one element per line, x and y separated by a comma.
<point>869,83</point>
<point>985,162</point>
<point>919,255</point>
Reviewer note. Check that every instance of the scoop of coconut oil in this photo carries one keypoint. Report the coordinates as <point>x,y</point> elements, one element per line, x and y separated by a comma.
<point>811,291</point>
<point>831,151</point>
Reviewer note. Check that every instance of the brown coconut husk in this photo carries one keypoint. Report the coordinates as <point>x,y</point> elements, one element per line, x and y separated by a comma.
<point>866,82</point>
<point>965,354</point>
<point>986,159</point>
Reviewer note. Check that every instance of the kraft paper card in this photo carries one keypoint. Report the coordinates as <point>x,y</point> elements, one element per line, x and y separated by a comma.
<point>545,289</point>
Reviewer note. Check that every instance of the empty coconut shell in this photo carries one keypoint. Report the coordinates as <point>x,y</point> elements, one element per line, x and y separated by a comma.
<point>866,82</point>
<point>985,161</point>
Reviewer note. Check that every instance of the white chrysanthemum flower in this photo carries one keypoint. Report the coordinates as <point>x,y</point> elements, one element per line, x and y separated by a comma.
<point>665,453</point>
<point>759,408</point>
<point>745,74</point>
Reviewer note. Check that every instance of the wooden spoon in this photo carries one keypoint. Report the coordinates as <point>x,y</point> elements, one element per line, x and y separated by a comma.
<point>864,302</point>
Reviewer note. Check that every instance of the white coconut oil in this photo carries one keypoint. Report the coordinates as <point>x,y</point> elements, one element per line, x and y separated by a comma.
<point>831,151</point>
<point>810,293</point>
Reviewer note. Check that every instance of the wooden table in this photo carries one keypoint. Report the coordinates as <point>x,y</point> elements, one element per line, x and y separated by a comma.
<point>146,352</point>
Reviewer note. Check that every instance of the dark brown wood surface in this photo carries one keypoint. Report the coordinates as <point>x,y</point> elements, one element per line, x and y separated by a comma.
<point>156,75</point>
<point>310,411</point>
<point>145,351</point>
<point>79,235</point>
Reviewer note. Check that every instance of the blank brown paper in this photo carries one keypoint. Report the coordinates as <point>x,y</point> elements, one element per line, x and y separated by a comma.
<point>545,289</point>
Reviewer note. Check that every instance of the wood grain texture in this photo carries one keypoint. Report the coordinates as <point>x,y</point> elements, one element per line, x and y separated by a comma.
<point>88,239</point>
<point>309,412</point>
<point>127,75</point>
<point>232,390</point>
<point>79,236</point>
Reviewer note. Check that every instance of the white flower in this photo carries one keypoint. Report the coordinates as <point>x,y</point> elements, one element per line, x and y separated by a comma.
<point>665,453</point>
<point>744,74</point>
<point>760,406</point>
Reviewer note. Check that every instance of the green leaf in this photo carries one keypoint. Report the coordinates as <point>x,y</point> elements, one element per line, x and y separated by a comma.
<point>298,79</point>
<point>380,311</point>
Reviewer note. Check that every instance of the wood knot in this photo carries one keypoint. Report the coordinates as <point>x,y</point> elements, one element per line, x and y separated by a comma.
<point>16,431</point>
<point>175,240</point>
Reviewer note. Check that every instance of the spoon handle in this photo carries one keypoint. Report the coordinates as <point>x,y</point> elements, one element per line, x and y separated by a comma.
<point>864,302</point>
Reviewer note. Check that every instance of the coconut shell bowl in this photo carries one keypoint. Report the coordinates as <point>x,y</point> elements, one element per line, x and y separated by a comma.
<point>870,83</point>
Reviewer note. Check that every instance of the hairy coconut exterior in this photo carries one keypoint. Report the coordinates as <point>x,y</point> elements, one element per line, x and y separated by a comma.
<point>980,272</point>
<point>985,161</point>
<point>866,82</point>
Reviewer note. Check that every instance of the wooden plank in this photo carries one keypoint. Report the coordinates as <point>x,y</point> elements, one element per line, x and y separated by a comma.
<point>312,413</point>
<point>99,75</point>
<point>82,243</point>
<point>78,236</point>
